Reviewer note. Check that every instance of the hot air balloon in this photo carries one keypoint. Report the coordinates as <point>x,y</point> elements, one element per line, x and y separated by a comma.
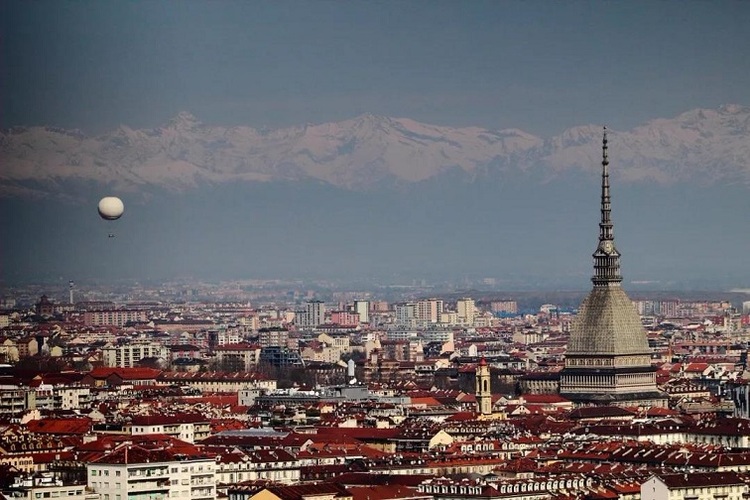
<point>111,208</point>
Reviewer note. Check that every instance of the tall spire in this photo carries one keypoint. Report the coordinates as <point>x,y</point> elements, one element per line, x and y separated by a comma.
<point>606,256</point>
<point>605,226</point>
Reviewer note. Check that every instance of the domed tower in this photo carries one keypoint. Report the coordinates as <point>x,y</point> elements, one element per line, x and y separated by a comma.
<point>608,360</point>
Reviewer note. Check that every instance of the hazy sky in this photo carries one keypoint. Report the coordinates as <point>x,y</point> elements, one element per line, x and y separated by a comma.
<point>537,65</point>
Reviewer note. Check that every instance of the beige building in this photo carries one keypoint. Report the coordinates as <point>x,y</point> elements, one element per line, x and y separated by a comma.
<point>114,317</point>
<point>219,381</point>
<point>236,357</point>
<point>694,486</point>
<point>465,311</point>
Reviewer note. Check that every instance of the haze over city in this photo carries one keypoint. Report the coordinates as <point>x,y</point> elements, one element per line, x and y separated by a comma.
<point>374,141</point>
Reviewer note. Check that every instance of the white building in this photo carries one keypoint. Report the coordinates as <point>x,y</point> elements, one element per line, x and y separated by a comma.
<point>362,307</point>
<point>436,335</point>
<point>45,486</point>
<point>406,314</point>
<point>128,355</point>
<point>275,465</point>
<point>49,397</point>
<point>185,427</point>
<point>136,473</point>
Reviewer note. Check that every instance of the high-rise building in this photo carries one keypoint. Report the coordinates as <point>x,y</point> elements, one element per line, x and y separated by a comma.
<point>429,310</point>
<point>465,309</point>
<point>406,313</point>
<point>313,315</point>
<point>273,337</point>
<point>504,307</point>
<point>362,307</point>
<point>608,360</point>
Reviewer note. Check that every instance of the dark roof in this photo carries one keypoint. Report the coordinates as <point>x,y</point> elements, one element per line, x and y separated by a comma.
<point>700,479</point>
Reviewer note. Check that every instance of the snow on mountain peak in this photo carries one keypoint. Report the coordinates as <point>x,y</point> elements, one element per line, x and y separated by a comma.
<point>184,120</point>
<point>370,150</point>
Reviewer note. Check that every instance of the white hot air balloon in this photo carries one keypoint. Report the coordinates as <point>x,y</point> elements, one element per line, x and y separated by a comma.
<point>111,208</point>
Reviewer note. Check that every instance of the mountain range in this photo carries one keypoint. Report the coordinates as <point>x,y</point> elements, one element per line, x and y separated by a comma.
<point>369,152</point>
<point>379,200</point>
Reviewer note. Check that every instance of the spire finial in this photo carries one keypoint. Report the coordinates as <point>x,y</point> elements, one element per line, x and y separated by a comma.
<point>606,257</point>
<point>606,205</point>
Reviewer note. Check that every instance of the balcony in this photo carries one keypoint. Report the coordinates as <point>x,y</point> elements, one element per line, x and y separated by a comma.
<point>160,485</point>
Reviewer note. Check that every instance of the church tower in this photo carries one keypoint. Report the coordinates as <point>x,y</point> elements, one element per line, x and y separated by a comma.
<point>483,392</point>
<point>608,360</point>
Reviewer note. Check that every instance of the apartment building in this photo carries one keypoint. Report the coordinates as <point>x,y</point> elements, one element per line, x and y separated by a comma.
<point>128,355</point>
<point>132,472</point>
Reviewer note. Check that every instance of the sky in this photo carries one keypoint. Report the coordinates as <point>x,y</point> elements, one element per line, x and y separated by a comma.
<point>540,66</point>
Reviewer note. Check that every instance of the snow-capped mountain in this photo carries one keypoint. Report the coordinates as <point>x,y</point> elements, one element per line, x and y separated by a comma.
<point>367,151</point>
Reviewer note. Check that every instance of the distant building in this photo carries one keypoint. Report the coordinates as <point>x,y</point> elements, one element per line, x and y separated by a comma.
<point>312,316</point>
<point>45,307</point>
<point>114,317</point>
<point>504,307</point>
<point>406,313</point>
<point>345,318</point>
<point>281,357</point>
<point>273,337</point>
<point>465,310</point>
<point>128,355</point>
<point>429,310</point>
<point>362,307</point>
<point>238,357</point>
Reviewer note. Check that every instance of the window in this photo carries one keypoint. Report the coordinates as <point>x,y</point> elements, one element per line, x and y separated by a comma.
<point>117,473</point>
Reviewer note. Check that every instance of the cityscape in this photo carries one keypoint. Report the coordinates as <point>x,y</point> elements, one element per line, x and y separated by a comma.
<point>288,395</point>
<point>358,279</point>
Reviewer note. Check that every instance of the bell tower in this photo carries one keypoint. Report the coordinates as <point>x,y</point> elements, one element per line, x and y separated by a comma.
<point>483,392</point>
